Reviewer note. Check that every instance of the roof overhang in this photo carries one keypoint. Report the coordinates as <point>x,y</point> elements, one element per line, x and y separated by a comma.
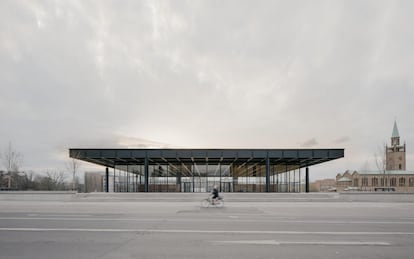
<point>116,157</point>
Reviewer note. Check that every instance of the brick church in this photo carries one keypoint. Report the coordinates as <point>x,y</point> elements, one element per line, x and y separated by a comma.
<point>393,177</point>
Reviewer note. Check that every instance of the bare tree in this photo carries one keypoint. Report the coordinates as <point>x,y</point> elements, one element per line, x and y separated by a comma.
<point>28,181</point>
<point>12,161</point>
<point>57,178</point>
<point>380,159</point>
<point>381,163</point>
<point>73,166</point>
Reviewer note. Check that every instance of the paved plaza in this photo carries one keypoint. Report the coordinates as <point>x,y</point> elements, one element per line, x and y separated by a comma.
<point>174,226</point>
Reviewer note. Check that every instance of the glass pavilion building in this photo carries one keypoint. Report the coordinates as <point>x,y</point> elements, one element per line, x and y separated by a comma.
<point>198,170</point>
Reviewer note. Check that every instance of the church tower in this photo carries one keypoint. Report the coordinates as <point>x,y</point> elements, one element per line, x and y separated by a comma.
<point>395,154</point>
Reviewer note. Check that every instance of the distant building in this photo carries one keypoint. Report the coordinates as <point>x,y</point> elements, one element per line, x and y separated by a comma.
<point>343,181</point>
<point>94,182</point>
<point>394,181</point>
<point>325,185</point>
<point>394,178</point>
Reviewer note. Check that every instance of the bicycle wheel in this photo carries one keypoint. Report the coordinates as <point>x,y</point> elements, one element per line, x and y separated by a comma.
<point>219,203</point>
<point>205,203</point>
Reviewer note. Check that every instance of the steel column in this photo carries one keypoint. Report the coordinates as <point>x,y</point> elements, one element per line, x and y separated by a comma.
<point>307,179</point>
<point>114,179</point>
<point>146,173</point>
<point>220,177</point>
<point>107,180</point>
<point>127,180</point>
<point>267,174</point>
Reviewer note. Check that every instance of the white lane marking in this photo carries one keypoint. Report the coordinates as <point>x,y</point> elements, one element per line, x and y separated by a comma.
<point>208,231</point>
<point>231,217</point>
<point>341,243</point>
<point>274,242</point>
<point>71,230</point>
<point>53,215</point>
<point>249,242</point>
<point>342,222</point>
<point>83,219</point>
<point>65,215</point>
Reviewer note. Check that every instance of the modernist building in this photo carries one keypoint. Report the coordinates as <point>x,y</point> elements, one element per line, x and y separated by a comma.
<point>94,182</point>
<point>197,170</point>
<point>395,177</point>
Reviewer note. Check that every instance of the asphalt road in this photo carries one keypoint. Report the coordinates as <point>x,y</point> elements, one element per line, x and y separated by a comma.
<point>73,229</point>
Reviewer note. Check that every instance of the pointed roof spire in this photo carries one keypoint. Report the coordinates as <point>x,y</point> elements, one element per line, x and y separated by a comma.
<point>395,133</point>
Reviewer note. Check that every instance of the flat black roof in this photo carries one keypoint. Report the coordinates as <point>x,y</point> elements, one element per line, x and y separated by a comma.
<point>113,157</point>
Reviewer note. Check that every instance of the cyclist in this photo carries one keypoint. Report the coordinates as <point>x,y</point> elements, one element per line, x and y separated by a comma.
<point>215,194</point>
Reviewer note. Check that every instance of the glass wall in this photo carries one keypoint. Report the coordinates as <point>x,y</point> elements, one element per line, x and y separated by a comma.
<point>203,177</point>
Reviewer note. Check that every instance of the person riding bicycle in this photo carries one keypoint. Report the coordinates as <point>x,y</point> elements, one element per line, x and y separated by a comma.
<point>215,194</point>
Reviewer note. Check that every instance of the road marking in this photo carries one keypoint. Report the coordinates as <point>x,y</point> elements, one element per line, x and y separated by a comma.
<point>58,215</point>
<point>230,217</point>
<point>66,215</point>
<point>274,242</point>
<point>248,242</point>
<point>180,231</point>
<point>71,230</point>
<point>342,222</point>
<point>81,219</point>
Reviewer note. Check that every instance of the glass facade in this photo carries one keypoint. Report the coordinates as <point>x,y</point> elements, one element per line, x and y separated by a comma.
<point>202,178</point>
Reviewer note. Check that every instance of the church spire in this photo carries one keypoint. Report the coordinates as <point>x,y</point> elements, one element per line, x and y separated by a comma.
<point>395,133</point>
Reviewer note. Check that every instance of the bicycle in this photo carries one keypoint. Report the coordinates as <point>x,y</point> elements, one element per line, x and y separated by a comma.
<point>208,202</point>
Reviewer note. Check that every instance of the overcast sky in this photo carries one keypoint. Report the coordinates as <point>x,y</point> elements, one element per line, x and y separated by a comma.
<point>206,74</point>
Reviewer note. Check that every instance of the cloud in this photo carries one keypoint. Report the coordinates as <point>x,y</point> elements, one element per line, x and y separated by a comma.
<point>204,74</point>
<point>341,140</point>
<point>309,143</point>
<point>133,142</point>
